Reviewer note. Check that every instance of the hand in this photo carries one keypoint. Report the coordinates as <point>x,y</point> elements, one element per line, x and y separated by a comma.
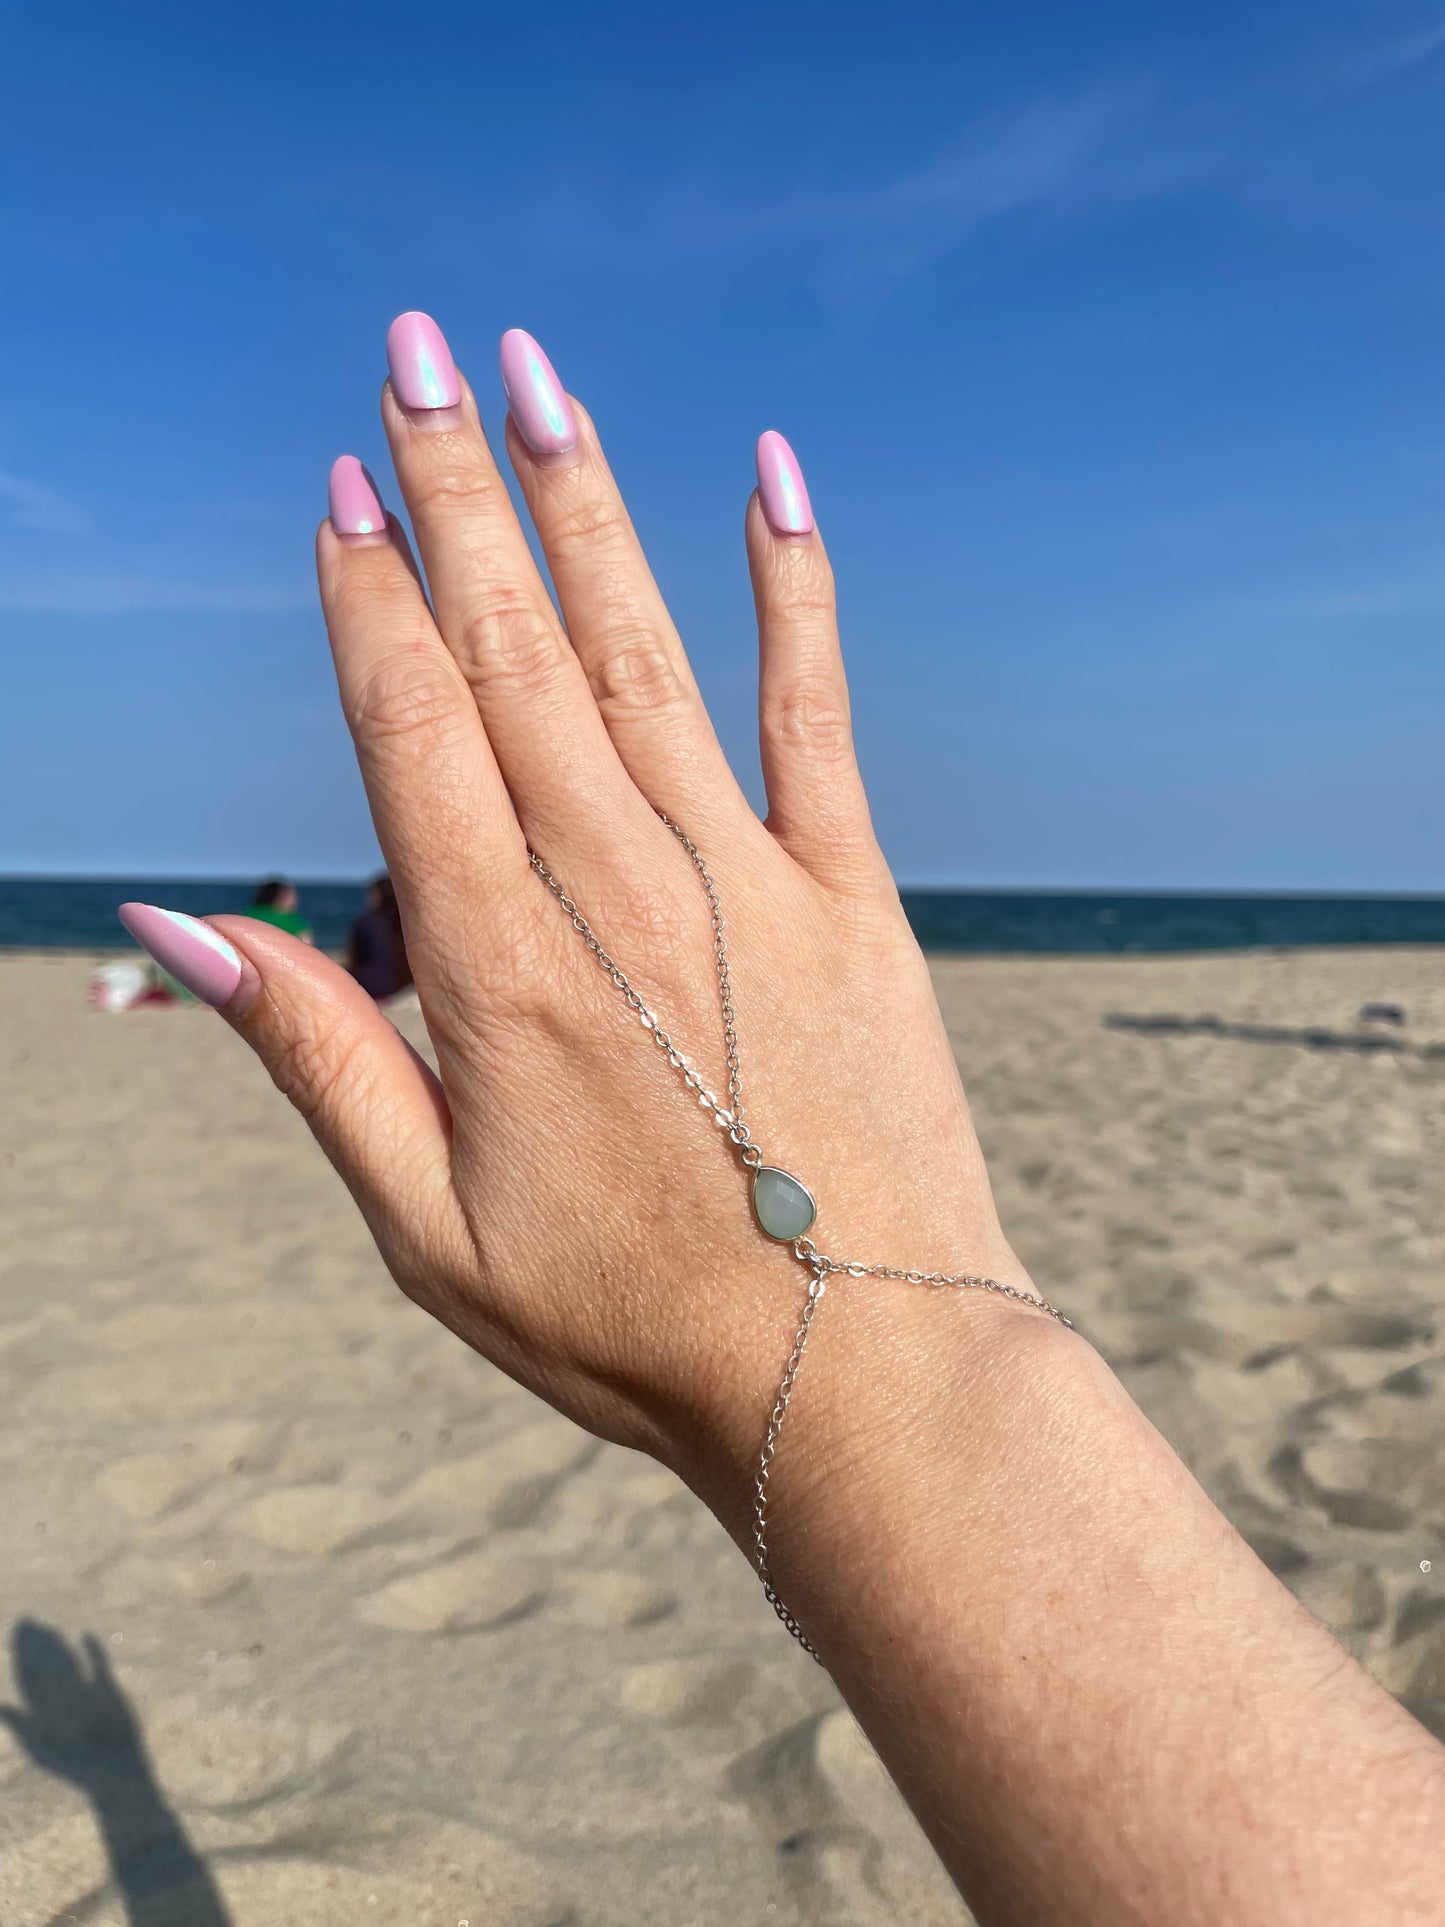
<point>1080,1733</point>
<point>75,1724</point>
<point>557,1196</point>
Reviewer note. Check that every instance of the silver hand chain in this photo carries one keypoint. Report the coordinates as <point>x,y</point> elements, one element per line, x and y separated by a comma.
<point>785,1213</point>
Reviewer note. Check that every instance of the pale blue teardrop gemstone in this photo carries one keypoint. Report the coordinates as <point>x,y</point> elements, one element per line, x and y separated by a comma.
<point>785,1208</point>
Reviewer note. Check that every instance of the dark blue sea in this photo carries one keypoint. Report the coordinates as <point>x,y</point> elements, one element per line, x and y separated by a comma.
<point>78,913</point>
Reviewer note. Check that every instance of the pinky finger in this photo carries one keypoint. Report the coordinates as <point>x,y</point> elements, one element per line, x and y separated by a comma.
<point>816,805</point>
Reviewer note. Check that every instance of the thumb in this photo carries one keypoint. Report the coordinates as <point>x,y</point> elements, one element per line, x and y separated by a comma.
<point>375,1108</point>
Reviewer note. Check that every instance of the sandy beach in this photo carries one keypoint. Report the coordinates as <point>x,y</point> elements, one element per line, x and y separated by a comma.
<point>379,1638</point>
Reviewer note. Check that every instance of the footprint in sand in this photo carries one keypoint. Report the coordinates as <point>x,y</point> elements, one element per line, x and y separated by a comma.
<point>213,1761</point>
<point>611,1599</point>
<point>852,1851</point>
<point>681,1692</point>
<point>1358,1482</point>
<point>1413,1667</point>
<point>141,1579</point>
<point>150,1484</point>
<point>466,1595</point>
<point>428,1874</point>
<point>315,1519</point>
<point>509,1482</point>
<point>1346,1598</point>
<point>1256,1334</point>
<point>722,1704</point>
<point>208,1578</point>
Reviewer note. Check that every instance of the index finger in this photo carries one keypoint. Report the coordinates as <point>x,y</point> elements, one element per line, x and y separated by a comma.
<point>443,817</point>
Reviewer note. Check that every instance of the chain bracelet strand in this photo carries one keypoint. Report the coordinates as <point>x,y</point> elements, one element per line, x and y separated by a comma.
<point>729,1117</point>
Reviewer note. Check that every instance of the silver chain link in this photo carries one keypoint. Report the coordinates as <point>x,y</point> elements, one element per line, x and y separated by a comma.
<point>729,1117</point>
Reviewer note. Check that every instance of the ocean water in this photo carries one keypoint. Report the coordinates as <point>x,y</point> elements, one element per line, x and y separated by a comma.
<point>78,913</point>
<point>1133,922</point>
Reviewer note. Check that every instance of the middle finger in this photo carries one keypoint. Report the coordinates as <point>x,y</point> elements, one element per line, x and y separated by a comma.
<point>616,619</point>
<point>492,607</point>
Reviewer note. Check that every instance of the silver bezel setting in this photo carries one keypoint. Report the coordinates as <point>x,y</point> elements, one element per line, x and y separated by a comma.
<point>788,1237</point>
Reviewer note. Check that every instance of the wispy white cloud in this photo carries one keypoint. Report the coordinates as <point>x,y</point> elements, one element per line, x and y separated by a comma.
<point>1386,59</point>
<point>852,225</point>
<point>1418,595</point>
<point>1385,598</point>
<point>41,510</point>
<point>79,594</point>
<point>1000,164</point>
<point>104,574</point>
<point>1003,163</point>
<point>1006,164</point>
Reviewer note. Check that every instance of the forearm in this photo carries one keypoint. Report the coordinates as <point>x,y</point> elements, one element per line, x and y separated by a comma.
<point>1100,1704</point>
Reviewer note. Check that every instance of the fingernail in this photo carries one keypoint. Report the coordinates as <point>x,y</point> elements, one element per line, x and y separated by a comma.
<point>539,405</point>
<point>781,488</point>
<point>423,374</point>
<point>197,956</point>
<point>355,506</point>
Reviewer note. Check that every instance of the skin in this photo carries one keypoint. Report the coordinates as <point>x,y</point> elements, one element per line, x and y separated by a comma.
<point>1099,1703</point>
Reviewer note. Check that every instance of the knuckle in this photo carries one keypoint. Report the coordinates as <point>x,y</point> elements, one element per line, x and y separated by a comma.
<point>588,522</point>
<point>809,714</point>
<point>806,607</point>
<point>634,671</point>
<point>357,597</point>
<point>314,1060</point>
<point>402,698</point>
<point>454,488</point>
<point>802,580</point>
<point>509,640</point>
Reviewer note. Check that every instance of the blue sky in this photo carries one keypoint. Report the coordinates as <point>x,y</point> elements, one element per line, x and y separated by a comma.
<point>1110,339</point>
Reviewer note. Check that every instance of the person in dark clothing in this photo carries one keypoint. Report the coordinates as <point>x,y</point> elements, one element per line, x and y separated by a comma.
<point>376,948</point>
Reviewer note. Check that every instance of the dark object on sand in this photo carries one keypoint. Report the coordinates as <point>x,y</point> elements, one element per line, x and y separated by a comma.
<point>376,955</point>
<point>1382,1014</point>
<point>75,1722</point>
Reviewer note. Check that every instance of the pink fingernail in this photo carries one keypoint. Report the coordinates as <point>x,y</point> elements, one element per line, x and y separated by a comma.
<point>781,488</point>
<point>423,374</point>
<point>355,506</point>
<point>191,951</point>
<point>538,402</point>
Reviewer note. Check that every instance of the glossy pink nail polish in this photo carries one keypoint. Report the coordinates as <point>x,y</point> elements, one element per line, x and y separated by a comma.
<point>781,489</point>
<point>355,506</point>
<point>538,402</point>
<point>423,374</point>
<point>191,951</point>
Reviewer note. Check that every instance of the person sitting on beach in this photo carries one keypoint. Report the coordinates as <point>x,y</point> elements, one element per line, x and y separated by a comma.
<point>376,948</point>
<point>1103,1707</point>
<point>276,902</point>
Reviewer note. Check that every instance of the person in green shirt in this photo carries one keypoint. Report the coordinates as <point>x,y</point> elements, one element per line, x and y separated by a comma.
<point>275,902</point>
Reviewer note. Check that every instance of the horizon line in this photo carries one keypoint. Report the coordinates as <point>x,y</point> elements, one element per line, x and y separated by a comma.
<point>911,887</point>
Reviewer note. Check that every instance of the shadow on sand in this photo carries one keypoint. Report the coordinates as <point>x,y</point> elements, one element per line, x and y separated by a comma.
<point>1308,1038</point>
<point>75,1722</point>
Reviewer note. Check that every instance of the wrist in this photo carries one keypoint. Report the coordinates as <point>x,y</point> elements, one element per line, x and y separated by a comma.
<point>901,1386</point>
